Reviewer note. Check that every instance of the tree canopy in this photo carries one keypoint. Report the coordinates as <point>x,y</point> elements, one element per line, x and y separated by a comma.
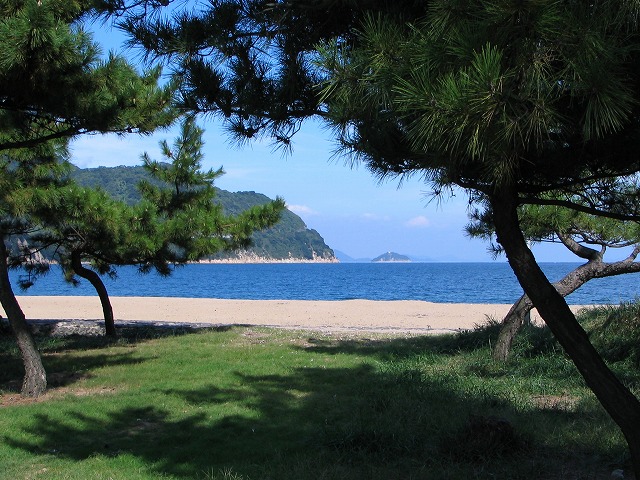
<point>249,62</point>
<point>54,84</point>
<point>177,220</point>
<point>193,224</point>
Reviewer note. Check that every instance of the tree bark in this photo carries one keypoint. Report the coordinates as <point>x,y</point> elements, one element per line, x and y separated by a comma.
<point>35,377</point>
<point>511,325</point>
<point>618,401</point>
<point>96,281</point>
<point>594,268</point>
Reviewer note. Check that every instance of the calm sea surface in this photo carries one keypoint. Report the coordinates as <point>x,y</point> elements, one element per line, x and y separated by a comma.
<point>435,282</point>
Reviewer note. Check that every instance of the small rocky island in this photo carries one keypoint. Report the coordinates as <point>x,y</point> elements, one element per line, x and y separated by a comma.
<point>391,257</point>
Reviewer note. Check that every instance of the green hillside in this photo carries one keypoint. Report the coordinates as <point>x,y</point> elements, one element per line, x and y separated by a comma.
<point>289,239</point>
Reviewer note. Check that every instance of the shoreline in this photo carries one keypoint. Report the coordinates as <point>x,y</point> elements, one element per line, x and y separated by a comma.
<point>384,316</point>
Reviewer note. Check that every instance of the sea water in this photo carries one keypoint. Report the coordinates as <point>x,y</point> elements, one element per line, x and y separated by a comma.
<point>435,282</point>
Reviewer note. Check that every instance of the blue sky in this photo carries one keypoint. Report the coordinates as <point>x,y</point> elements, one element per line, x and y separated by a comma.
<point>349,207</point>
<point>352,211</point>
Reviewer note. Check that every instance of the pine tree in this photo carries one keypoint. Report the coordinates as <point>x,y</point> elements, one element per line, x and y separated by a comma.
<point>176,222</point>
<point>31,175</point>
<point>53,86</point>
<point>194,224</point>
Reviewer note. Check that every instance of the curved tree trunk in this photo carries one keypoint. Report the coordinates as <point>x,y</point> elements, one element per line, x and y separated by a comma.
<point>35,377</point>
<point>618,401</point>
<point>594,268</point>
<point>96,281</point>
<point>511,325</point>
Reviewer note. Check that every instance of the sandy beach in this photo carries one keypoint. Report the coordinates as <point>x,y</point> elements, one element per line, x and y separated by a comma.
<point>405,316</point>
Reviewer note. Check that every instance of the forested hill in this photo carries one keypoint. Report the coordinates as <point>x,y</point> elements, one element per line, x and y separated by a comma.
<point>289,239</point>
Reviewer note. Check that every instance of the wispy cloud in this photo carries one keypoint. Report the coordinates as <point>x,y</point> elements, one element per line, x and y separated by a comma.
<point>418,222</point>
<point>302,210</point>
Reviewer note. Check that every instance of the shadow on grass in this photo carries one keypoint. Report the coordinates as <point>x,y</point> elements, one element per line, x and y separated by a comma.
<point>329,423</point>
<point>402,347</point>
<point>535,353</point>
<point>62,372</point>
<point>357,418</point>
<point>532,341</point>
<point>379,420</point>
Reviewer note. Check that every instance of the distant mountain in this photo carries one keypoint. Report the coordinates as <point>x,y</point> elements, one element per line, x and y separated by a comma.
<point>289,240</point>
<point>391,257</point>
<point>421,259</point>
<point>344,258</point>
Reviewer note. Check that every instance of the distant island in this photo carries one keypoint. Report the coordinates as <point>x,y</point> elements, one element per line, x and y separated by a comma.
<point>288,241</point>
<point>391,257</point>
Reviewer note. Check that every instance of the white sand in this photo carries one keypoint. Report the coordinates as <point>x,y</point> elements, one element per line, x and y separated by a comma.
<point>365,315</point>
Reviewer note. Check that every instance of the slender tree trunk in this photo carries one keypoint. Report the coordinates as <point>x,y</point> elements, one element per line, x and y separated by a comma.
<point>35,377</point>
<point>96,281</point>
<point>511,325</point>
<point>618,401</point>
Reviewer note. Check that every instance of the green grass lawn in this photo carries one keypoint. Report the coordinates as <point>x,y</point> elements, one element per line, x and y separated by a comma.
<point>249,403</point>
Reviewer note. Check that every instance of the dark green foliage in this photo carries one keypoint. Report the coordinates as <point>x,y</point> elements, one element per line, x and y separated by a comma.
<point>289,238</point>
<point>54,86</point>
<point>96,227</point>
<point>251,62</point>
<point>175,219</point>
<point>120,182</point>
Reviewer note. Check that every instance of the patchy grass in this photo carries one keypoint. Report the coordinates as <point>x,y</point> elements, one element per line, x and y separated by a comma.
<point>249,403</point>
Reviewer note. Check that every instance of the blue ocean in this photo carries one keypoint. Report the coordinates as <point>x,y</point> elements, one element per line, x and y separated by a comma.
<point>434,282</point>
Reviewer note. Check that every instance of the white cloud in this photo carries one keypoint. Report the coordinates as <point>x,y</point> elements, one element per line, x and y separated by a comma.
<point>90,151</point>
<point>302,210</point>
<point>418,222</point>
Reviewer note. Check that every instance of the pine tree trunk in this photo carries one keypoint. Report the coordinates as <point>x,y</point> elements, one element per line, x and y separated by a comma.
<point>618,401</point>
<point>511,325</point>
<point>35,377</point>
<point>96,281</point>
